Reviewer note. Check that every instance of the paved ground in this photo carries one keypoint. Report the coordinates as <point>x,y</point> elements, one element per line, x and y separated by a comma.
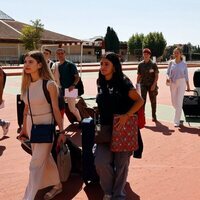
<point>169,169</point>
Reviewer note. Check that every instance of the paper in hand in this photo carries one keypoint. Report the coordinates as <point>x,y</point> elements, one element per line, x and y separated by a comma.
<point>73,93</point>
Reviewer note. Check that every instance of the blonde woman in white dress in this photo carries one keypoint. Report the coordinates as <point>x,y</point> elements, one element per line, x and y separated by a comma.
<point>43,169</point>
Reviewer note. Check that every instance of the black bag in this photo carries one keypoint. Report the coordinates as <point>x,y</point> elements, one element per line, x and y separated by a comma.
<point>42,133</point>
<point>191,105</point>
<point>89,173</point>
<point>61,101</point>
<point>80,87</point>
<point>103,134</point>
<point>196,78</point>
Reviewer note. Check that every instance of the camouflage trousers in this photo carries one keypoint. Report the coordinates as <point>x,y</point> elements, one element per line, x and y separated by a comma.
<point>152,96</point>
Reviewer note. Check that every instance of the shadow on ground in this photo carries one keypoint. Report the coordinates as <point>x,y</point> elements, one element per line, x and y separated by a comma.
<point>75,183</point>
<point>70,189</point>
<point>93,191</point>
<point>159,127</point>
<point>131,195</point>
<point>190,130</point>
<point>2,149</point>
<point>4,137</point>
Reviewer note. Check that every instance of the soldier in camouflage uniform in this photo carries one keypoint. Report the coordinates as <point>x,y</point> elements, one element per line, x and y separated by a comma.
<point>147,77</point>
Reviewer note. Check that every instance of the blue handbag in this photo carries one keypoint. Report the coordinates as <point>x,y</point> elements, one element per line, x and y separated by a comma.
<point>42,133</point>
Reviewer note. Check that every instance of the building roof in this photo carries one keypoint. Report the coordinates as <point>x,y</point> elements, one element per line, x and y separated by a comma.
<point>10,31</point>
<point>4,16</point>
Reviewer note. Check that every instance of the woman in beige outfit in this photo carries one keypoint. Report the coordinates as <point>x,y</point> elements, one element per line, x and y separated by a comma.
<point>43,169</point>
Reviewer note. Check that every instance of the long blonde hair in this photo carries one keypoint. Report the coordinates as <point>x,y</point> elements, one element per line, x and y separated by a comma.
<point>44,72</point>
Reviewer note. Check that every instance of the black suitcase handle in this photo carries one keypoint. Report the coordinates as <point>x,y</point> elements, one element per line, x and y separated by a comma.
<point>192,91</point>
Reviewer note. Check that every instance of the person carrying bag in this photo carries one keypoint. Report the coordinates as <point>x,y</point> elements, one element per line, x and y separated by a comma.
<point>38,125</point>
<point>116,96</point>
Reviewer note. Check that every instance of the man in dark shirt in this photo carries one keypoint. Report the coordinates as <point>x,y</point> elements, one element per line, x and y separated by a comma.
<point>66,76</point>
<point>147,76</point>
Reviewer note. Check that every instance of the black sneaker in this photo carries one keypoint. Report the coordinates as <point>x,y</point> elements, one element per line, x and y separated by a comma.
<point>154,119</point>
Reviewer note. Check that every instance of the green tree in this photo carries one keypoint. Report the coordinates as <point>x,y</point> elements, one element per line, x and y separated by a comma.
<point>169,52</point>
<point>156,42</point>
<point>111,41</point>
<point>31,35</point>
<point>135,44</point>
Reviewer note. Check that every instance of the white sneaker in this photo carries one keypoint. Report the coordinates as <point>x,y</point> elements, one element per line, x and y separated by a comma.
<point>107,197</point>
<point>176,125</point>
<point>5,128</point>
<point>2,104</point>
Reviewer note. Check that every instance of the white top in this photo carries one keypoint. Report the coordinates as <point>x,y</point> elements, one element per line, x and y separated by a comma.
<point>40,108</point>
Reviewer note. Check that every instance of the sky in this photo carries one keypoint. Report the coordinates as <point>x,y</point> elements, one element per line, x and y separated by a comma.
<point>178,20</point>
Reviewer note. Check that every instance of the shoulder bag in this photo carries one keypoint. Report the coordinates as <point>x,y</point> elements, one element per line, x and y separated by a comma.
<point>102,132</point>
<point>80,87</point>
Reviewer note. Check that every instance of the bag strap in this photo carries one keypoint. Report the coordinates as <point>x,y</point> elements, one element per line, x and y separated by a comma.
<point>29,106</point>
<point>46,92</point>
<point>47,95</point>
<point>4,78</point>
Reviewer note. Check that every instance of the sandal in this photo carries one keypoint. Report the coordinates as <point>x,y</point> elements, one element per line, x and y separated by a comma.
<point>53,192</point>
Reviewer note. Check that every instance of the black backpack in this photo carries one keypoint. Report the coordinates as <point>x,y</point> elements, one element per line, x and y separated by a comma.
<point>61,101</point>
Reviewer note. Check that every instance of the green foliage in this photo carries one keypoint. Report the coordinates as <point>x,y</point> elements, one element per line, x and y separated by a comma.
<point>196,49</point>
<point>31,35</point>
<point>156,42</point>
<point>111,41</point>
<point>169,52</point>
<point>135,44</point>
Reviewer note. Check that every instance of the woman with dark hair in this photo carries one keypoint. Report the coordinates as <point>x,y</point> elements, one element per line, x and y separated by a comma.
<point>43,169</point>
<point>177,78</point>
<point>116,95</point>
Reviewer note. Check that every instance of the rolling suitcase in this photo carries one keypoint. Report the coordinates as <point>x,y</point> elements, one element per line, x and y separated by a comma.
<point>89,173</point>
<point>20,111</point>
<point>191,107</point>
<point>196,78</point>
